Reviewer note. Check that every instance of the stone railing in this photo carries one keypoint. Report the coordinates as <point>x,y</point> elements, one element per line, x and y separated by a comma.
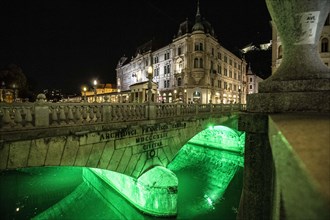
<point>18,116</point>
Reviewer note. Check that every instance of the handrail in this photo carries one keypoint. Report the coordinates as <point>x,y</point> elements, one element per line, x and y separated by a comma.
<point>18,116</point>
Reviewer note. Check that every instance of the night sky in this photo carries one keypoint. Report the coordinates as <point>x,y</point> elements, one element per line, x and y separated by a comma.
<point>66,43</point>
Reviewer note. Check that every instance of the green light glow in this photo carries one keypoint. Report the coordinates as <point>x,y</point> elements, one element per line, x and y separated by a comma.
<point>220,137</point>
<point>154,192</point>
<point>214,167</point>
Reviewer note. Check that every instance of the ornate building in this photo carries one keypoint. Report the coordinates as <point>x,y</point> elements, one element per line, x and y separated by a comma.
<point>324,49</point>
<point>194,67</point>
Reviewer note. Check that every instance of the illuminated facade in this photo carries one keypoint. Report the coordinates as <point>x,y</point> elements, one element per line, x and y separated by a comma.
<point>102,93</point>
<point>252,81</point>
<point>323,46</point>
<point>193,68</point>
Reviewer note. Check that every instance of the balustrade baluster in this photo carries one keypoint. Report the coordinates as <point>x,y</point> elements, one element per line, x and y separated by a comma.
<point>98,114</point>
<point>28,117</point>
<point>18,118</point>
<point>62,115</point>
<point>54,116</point>
<point>85,115</point>
<point>6,119</point>
<point>91,114</point>
<point>70,115</point>
<point>77,115</point>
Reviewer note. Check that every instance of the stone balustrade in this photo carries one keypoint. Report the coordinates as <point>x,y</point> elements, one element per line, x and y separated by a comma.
<point>18,116</point>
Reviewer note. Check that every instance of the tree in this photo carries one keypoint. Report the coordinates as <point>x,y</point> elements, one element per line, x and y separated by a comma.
<point>12,77</point>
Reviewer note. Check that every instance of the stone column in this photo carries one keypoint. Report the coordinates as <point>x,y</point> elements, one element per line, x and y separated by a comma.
<point>301,83</point>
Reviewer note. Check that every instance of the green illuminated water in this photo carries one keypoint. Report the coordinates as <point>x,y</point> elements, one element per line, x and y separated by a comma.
<point>210,183</point>
<point>62,192</point>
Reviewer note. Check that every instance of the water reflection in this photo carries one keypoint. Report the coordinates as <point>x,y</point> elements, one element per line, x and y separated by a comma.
<point>210,183</point>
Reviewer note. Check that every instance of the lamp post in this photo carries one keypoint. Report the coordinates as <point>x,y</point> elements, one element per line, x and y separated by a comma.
<point>149,83</point>
<point>185,96</point>
<point>239,96</point>
<point>174,95</point>
<point>85,89</point>
<point>94,87</point>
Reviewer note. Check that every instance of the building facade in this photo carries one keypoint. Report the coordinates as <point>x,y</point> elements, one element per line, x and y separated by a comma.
<point>193,68</point>
<point>252,81</point>
<point>323,46</point>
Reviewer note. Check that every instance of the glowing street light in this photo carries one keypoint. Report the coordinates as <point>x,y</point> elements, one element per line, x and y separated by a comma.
<point>85,89</point>
<point>94,87</point>
<point>174,94</point>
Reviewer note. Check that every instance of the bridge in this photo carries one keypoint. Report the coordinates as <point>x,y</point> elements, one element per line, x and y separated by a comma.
<point>126,138</point>
<point>287,125</point>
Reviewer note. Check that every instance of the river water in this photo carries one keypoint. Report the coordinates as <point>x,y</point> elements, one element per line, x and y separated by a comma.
<point>210,184</point>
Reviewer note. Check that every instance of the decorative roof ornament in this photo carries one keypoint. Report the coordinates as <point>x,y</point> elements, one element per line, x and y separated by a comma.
<point>198,21</point>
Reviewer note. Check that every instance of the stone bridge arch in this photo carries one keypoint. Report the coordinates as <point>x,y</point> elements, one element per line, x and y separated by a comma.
<point>129,148</point>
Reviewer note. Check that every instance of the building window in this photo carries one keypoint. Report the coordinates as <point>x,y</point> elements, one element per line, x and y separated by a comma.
<point>168,67</point>
<point>225,59</point>
<point>250,79</point>
<point>196,63</point>
<point>225,72</point>
<point>219,69</point>
<point>211,67</point>
<point>198,46</point>
<point>230,62</point>
<point>225,85</point>
<point>179,81</point>
<point>219,83</point>
<point>325,45</point>
<point>156,71</point>
<point>219,55</point>
<point>200,63</point>
<point>234,87</point>
<point>230,74</point>
<point>166,56</point>
<point>250,86</point>
<point>179,51</point>
<point>212,82</point>
<point>235,75</point>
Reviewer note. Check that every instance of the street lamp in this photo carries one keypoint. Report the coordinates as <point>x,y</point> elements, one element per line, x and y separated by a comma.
<point>85,89</point>
<point>185,96</point>
<point>149,83</point>
<point>174,95</point>
<point>95,84</point>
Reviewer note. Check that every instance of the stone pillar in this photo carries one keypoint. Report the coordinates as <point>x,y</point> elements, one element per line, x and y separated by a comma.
<point>301,83</point>
<point>257,193</point>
